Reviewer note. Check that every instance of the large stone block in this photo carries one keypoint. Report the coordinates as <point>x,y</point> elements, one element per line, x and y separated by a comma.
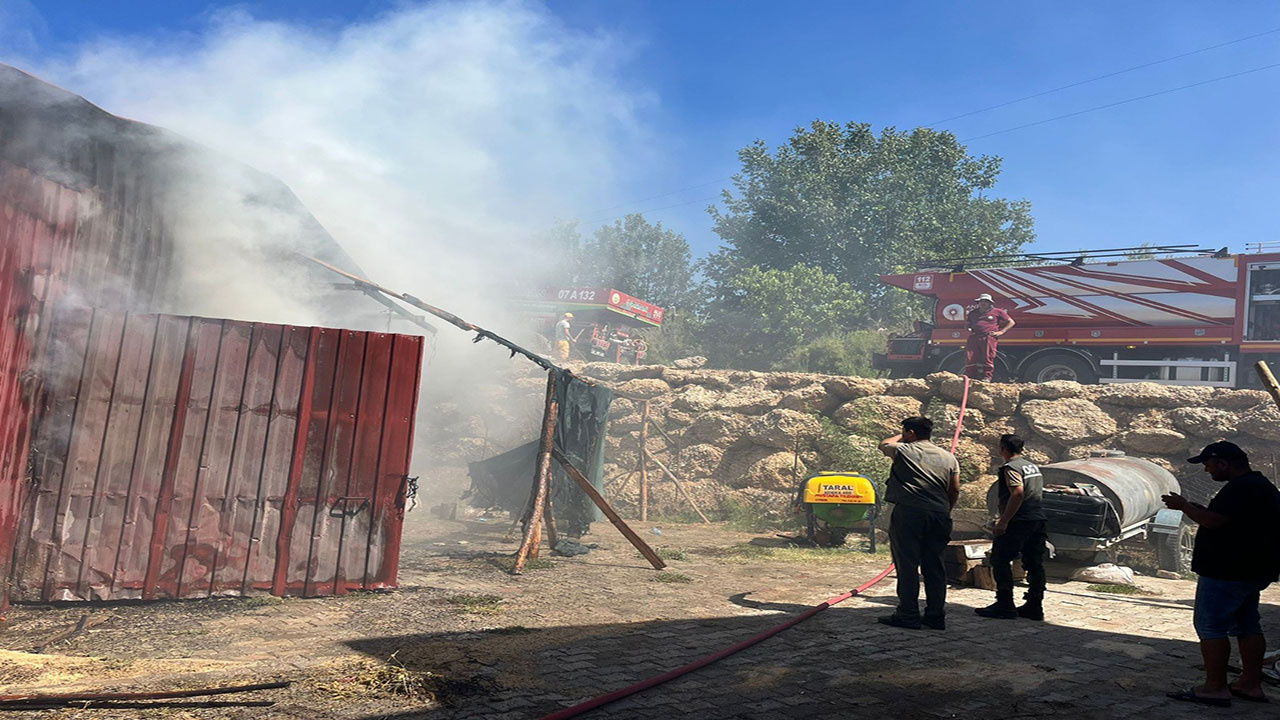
<point>695,399</point>
<point>1154,440</point>
<point>1262,421</point>
<point>697,461</point>
<point>810,398</point>
<point>995,398</point>
<point>877,416</point>
<point>912,387</point>
<point>974,494</point>
<point>644,388</point>
<point>1228,399</point>
<point>1068,422</point>
<point>1154,395</point>
<point>1205,422</point>
<point>1052,390</point>
<point>783,429</point>
<point>749,400</point>
<point>779,471</point>
<point>848,388</point>
<point>717,428</point>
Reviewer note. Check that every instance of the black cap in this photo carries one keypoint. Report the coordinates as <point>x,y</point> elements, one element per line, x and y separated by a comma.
<point>1221,450</point>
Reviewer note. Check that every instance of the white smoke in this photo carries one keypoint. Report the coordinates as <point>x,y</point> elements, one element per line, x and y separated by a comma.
<point>434,142</point>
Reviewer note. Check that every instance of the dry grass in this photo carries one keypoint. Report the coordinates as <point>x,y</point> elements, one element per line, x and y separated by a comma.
<point>366,677</point>
<point>508,563</point>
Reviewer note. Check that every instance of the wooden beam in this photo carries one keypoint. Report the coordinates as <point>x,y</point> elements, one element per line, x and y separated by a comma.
<point>609,512</point>
<point>644,464</point>
<point>680,487</point>
<point>541,480</point>
<point>1268,380</point>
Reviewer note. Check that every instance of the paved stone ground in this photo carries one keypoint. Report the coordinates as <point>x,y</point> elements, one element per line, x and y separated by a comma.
<point>1097,657</point>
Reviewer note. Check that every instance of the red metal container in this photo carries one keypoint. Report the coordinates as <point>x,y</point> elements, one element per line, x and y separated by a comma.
<point>155,456</point>
<point>189,457</point>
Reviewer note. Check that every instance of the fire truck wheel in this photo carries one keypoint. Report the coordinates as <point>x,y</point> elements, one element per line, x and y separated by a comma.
<point>1060,366</point>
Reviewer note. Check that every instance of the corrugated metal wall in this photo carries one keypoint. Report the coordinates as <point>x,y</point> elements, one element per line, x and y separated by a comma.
<point>98,239</point>
<point>188,457</point>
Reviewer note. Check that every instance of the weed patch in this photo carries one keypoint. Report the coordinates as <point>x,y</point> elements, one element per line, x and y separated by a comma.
<point>747,552</point>
<point>1118,589</point>
<point>480,604</point>
<point>669,553</point>
<point>507,564</point>
<point>667,576</point>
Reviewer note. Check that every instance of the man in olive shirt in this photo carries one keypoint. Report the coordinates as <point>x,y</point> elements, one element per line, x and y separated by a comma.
<point>1237,554</point>
<point>1020,530</point>
<point>924,484</point>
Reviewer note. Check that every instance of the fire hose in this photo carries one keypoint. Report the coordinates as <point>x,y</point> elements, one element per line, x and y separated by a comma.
<point>657,680</point>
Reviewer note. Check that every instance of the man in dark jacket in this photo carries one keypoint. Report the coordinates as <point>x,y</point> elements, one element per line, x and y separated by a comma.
<point>1237,554</point>
<point>923,485</point>
<point>1020,530</point>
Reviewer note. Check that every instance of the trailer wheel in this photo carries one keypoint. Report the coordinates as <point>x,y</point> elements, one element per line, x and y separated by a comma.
<point>1173,550</point>
<point>1060,366</point>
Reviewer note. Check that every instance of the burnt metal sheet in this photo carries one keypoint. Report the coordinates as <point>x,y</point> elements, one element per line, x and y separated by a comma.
<point>179,460</point>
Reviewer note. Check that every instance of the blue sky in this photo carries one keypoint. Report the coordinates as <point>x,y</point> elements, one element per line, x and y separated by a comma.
<point>1194,166</point>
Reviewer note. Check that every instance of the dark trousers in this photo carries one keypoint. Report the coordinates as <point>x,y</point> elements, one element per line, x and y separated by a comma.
<point>918,539</point>
<point>1025,538</point>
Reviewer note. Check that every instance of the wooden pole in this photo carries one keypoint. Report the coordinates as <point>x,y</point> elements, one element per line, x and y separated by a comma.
<point>549,516</point>
<point>680,487</point>
<point>1268,380</point>
<point>608,511</point>
<point>644,464</point>
<point>541,480</point>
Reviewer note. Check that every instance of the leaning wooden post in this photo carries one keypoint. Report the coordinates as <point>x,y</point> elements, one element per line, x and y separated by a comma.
<point>541,479</point>
<point>644,461</point>
<point>576,475</point>
<point>1268,380</point>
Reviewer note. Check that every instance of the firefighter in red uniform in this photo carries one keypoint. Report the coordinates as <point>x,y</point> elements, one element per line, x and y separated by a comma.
<point>986,323</point>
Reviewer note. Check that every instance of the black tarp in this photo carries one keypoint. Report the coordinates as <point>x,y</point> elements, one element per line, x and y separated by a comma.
<point>505,481</point>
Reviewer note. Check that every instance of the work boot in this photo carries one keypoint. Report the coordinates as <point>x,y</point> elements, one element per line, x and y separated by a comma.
<point>1031,611</point>
<point>1000,609</point>
<point>934,623</point>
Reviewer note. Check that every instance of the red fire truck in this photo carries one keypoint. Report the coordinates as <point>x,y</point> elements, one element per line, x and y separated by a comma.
<point>609,324</point>
<point>1192,319</point>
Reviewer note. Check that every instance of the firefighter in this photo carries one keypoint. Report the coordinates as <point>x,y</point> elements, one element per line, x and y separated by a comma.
<point>986,323</point>
<point>563,337</point>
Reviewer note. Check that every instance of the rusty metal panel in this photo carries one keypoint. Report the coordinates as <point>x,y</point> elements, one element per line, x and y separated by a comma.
<point>176,452</point>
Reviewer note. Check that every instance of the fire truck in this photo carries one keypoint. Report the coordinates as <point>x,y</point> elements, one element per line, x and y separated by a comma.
<point>609,324</point>
<point>1189,317</point>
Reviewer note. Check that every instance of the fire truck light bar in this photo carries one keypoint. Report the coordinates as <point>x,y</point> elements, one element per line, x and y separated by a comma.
<point>1070,257</point>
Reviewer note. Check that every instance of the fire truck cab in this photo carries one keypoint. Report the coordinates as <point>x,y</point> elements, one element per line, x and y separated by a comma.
<point>1193,319</point>
<point>609,324</point>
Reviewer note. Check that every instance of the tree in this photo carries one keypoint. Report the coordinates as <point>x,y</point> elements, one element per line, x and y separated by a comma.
<point>640,259</point>
<point>857,206</point>
<point>762,315</point>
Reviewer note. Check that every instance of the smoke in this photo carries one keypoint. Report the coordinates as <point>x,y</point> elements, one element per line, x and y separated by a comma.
<point>435,143</point>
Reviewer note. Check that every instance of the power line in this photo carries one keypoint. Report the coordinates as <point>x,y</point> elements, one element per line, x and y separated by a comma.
<point>1104,77</point>
<point>1004,104</point>
<point>1121,102</point>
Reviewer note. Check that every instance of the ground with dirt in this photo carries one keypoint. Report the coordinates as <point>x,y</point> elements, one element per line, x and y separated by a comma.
<point>463,638</point>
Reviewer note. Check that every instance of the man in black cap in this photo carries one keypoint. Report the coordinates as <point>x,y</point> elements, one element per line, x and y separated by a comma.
<point>1020,530</point>
<point>1237,554</point>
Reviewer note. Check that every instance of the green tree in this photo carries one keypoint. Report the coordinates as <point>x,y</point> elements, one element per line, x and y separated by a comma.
<point>858,205</point>
<point>639,258</point>
<point>760,315</point>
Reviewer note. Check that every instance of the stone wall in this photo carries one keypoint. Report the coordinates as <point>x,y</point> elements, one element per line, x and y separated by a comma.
<point>740,438</point>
